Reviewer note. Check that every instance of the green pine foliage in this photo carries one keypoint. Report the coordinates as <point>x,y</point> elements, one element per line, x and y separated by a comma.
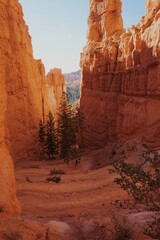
<point>47,136</point>
<point>62,140</point>
<point>73,94</point>
<point>41,137</point>
<point>66,128</point>
<point>50,141</point>
<point>41,132</point>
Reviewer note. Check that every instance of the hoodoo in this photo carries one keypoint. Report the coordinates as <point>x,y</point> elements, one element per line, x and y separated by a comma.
<point>55,88</point>
<point>121,75</point>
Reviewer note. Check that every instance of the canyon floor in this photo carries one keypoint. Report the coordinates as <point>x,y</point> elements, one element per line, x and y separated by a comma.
<point>80,207</point>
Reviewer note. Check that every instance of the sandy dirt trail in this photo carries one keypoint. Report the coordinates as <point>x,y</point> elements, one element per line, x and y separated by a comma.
<point>81,203</point>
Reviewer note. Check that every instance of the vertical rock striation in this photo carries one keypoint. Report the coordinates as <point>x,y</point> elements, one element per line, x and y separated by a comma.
<point>121,75</point>
<point>8,201</point>
<point>55,88</point>
<point>24,80</point>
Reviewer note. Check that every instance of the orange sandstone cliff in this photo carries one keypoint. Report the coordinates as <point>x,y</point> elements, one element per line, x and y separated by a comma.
<point>120,95</point>
<point>25,85</point>
<point>23,80</point>
<point>23,99</point>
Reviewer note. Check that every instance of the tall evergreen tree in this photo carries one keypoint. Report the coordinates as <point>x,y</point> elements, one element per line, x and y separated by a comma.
<point>66,128</point>
<point>41,132</point>
<point>50,141</point>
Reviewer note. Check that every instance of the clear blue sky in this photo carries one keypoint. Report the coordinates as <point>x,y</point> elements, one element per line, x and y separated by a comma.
<point>58,28</point>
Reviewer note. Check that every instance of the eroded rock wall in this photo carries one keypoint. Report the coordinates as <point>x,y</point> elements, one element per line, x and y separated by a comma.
<point>8,201</point>
<point>23,99</point>
<point>24,80</point>
<point>55,88</point>
<point>121,75</point>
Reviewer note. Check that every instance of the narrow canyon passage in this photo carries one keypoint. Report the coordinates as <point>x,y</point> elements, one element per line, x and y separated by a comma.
<point>120,99</point>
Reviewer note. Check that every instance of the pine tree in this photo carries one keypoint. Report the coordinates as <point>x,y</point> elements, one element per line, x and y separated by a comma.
<point>66,128</point>
<point>50,140</point>
<point>41,132</point>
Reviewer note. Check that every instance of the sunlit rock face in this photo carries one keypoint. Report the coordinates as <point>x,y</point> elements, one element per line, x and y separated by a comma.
<point>121,75</point>
<point>23,81</point>
<point>55,88</point>
<point>8,201</point>
<point>22,99</point>
<point>151,5</point>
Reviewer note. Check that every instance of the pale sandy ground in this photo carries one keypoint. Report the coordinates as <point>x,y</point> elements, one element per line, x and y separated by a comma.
<point>80,207</point>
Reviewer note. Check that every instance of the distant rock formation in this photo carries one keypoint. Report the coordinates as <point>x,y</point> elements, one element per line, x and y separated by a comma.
<point>73,86</point>
<point>120,94</point>
<point>55,88</point>
<point>73,78</point>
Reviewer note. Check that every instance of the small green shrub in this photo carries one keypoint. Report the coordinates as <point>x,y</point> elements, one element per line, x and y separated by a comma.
<point>143,186</point>
<point>55,179</point>
<point>132,147</point>
<point>113,153</point>
<point>122,230</point>
<point>56,172</point>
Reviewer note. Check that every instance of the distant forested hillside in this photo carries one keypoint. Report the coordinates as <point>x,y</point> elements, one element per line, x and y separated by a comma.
<point>73,86</point>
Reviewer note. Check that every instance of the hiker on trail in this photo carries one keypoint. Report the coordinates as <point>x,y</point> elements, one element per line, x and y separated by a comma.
<point>76,163</point>
<point>79,161</point>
